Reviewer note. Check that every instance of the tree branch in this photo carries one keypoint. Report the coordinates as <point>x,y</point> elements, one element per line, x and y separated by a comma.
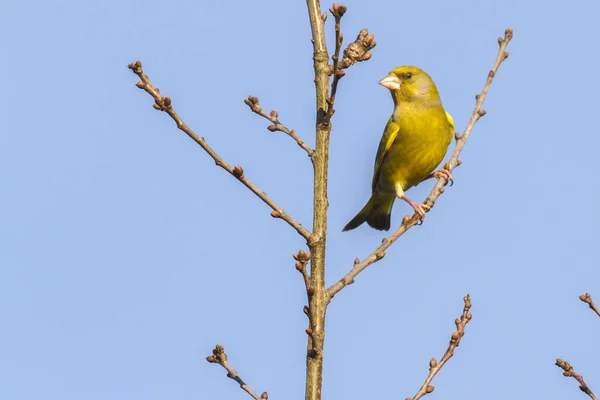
<point>434,366</point>
<point>569,371</point>
<point>438,189</point>
<point>164,104</point>
<point>317,244</point>
<point>338,12</point>
<point>587,298</point>
<point>219,357</point>
<point>254,105</point>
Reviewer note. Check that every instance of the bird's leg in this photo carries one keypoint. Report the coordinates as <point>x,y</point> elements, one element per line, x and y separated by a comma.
<point>420,209</point>
<point>442,172</point>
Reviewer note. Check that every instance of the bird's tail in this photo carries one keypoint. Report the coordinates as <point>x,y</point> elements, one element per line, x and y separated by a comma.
<point>377,213</point>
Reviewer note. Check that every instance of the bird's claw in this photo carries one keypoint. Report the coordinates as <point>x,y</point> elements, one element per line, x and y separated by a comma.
<point>420,210</point>
<point>445,173</point>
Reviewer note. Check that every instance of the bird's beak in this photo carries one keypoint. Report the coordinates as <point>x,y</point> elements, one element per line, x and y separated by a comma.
<point>391,82</point>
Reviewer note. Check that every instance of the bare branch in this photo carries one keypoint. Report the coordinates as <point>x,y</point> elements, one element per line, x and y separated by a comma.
<point>569,371</point>
<point>434,366</point>
<point>317,244</point>
<point>438,189</point>
<point>164,104</point>
<point>219,357</point>
<point>587,298</point>
<point>338,11</point>
<point>254,105</point>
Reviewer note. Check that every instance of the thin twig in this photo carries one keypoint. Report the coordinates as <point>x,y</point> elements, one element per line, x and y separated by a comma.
<point>302,259</point>
<point>338,11</point>
<point>219,357</point>
<point>438,189</point>
<point>434,366</point>
<point>164,104</point>
<point>587,298</point>
<point>569,371</point>
<point>254,105</point>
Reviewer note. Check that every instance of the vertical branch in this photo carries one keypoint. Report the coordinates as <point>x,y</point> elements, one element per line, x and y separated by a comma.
<point>314,358</point>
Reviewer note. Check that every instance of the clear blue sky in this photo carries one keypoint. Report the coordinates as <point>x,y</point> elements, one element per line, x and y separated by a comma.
<point>126,255</point>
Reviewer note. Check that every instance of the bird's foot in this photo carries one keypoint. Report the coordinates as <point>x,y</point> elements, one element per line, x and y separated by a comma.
<point>443,172</point>
<point>420,210</point>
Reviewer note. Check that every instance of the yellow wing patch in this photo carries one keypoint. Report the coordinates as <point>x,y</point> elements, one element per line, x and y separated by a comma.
<point>389,135</point>
<point>450,121</point>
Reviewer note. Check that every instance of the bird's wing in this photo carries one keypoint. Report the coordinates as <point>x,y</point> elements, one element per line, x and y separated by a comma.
<point>389,135</point>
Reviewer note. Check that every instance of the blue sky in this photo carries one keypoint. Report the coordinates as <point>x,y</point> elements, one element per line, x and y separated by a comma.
<point>126,255</point>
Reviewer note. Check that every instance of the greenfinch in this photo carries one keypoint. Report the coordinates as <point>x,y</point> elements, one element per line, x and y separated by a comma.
<point>414,142</point>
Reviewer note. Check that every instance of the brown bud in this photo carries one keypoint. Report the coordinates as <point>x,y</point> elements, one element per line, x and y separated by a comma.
<point>238,171</point>
<point>156,107</point>
<point>306,310</point>
<point>272,128</point>
<point>309,331</point>
<point>275,214</point>
<point>366,56</point>
<point>167,101</point>
<point>274,114</point>
<point>432,363</point>
<point>310,291</point>
<point>481,113</point>
<point>264,396</point>
<point>211,359</point>
<point>141,85</point>
<point>430,389</point>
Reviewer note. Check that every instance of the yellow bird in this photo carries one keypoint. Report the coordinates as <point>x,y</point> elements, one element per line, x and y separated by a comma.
<point>415,141</point>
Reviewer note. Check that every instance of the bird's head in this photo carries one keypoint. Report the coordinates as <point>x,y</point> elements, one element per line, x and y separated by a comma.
<point>411,84</point>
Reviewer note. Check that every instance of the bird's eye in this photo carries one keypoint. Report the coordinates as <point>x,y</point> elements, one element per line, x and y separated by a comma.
<point>408,75</point>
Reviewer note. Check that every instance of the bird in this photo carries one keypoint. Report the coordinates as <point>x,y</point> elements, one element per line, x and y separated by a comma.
<point>414,142</point>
